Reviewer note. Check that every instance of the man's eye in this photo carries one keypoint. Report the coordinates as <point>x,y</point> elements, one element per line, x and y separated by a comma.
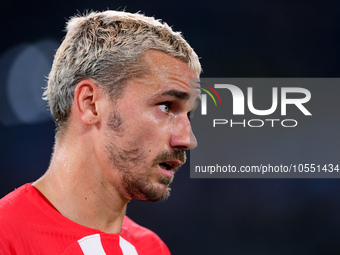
<point>165,107</point>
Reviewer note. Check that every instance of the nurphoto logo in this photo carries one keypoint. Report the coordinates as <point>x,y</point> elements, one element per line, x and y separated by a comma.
<point>265,128</point>
<point>280,98</point>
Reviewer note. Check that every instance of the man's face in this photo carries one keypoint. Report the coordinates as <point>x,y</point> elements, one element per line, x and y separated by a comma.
<point>148,130</point>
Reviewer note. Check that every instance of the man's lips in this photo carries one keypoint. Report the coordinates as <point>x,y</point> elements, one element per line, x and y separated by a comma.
<point>171,164</point>
<point>170,167</point>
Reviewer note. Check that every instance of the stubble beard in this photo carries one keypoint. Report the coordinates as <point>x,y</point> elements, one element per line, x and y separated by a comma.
<point>138,184</point>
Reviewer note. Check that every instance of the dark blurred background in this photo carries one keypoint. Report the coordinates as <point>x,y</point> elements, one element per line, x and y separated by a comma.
<point>233,39</point>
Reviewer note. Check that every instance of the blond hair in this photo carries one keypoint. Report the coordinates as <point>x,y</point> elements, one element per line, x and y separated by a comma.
<point>107,47</point>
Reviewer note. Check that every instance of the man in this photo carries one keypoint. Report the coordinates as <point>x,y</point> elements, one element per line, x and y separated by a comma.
<point>119,93</point>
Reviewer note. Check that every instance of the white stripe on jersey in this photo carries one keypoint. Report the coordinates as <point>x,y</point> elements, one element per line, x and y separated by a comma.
<point>127,248</point>
<point>91,245</point>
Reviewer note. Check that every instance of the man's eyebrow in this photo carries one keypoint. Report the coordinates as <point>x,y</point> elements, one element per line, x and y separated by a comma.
<point>174,93</point>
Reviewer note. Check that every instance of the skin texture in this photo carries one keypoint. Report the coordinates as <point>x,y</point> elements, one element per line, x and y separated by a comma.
<point>112,152</point>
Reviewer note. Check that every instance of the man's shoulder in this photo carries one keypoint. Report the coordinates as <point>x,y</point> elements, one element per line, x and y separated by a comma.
<point>15,209</point>
<point>14,200</point>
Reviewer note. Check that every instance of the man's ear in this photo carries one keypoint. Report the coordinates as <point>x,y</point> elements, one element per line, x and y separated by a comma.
<point>86,96</point>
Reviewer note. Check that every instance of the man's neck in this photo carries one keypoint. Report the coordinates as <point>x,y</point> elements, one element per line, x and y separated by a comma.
<point>79,190</point>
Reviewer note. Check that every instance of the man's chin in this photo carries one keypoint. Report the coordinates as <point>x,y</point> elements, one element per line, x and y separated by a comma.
<point>166,180</point>
<point>155,196</point>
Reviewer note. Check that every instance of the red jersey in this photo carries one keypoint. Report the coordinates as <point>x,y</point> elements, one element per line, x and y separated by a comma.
<point>31,225</point>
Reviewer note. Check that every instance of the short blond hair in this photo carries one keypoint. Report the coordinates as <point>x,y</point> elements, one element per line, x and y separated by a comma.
<point>107,47</point>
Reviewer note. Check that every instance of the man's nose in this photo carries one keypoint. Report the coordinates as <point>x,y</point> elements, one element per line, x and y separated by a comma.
<point>182,136</point>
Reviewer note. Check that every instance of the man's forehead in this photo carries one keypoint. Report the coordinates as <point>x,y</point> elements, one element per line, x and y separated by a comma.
<point>166,77</point>
<point>161,63</point>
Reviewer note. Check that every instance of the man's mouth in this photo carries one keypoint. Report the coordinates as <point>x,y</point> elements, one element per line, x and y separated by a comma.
<point>169,162</point>
<point>166,165</point>
<point>171,165</point>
